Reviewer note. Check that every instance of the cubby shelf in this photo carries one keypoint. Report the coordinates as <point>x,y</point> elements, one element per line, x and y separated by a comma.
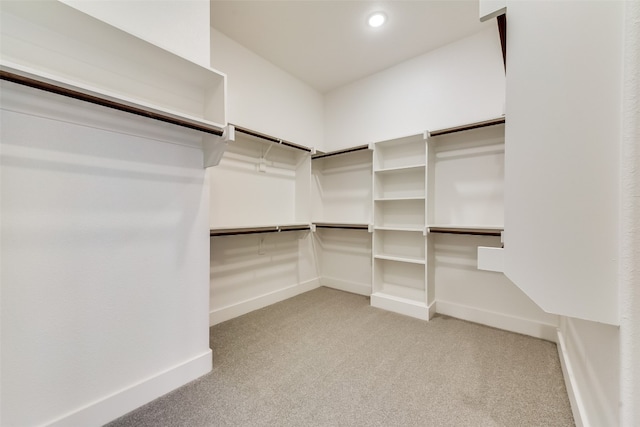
<point>400,259</point>
<point>395,199</point>
<point>400,169</point>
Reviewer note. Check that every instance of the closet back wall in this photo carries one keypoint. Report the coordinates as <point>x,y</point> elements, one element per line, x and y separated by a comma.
<point>462,82</point>
<point>264,98</point>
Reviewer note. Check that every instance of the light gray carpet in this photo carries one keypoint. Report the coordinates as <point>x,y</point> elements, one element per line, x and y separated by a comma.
<point>326,358</point>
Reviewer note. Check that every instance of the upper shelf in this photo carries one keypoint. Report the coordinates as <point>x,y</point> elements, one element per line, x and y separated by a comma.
<point>57,46</point>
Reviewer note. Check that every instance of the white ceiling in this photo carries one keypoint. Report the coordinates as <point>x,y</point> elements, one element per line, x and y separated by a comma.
<point>327,43</point>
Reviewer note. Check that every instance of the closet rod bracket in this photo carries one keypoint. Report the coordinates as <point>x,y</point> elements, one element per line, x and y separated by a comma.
<point>214,146</point>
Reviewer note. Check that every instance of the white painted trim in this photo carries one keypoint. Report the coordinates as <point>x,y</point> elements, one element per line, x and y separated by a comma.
<point>577,405</point>
<point>591,397</point>
<point>346,285</point>
<point>136,395</point>
<point>498,320</point>
<point>243,307</point>
<point>401,306</point>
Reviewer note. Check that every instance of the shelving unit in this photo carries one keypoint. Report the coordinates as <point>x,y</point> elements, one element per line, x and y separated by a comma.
<point>399,243</point>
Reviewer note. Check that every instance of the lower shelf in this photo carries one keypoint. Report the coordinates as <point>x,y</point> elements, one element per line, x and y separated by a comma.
<point>406,306</point>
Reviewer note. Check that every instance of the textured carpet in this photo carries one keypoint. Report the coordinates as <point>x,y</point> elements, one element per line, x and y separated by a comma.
<point>326,358</point>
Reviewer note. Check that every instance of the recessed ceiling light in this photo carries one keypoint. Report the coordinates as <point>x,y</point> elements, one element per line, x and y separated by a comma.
<point>376,19</point>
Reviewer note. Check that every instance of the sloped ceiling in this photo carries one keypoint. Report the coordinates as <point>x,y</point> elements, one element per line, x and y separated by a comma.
<point>328,44</point>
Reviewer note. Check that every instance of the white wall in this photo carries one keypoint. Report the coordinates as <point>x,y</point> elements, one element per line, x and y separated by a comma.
<point>630,223</point>
<point>459,83</point>
<point>569,243</point>
<point>252,271</point>
<point>104,247</point>
<point>485,297</point>
<point>264,98</point>
<point>104,260</point>
<point>562,155</point>
<point>180,26</point>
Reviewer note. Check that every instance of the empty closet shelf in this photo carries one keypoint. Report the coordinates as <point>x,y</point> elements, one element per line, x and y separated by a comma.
<point>216,232</point>
<point>467,229</point>
<point>411,260</point>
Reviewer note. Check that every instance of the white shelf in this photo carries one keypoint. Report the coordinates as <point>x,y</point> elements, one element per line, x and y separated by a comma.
<point>400,169</point>
<point>58,45</point>
<point>400,259</point>
<point>491,259</point>
<point>400,153</point>
<point>396,199</point>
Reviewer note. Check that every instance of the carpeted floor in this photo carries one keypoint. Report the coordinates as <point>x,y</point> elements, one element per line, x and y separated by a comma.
<point>326,358</point>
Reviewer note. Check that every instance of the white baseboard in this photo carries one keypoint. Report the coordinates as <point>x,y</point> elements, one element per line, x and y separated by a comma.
<point>401,306</point>
<point>498,320</point>
<point>130,398</point>
<point>347,286</point>
<point>577,405</point>
<point>222,314</point>
<point>591,379</point>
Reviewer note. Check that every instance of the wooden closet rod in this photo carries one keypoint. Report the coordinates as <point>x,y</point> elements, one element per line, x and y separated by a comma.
<point>461,128</point>
<point>257,230</point>
<point>343,226</point>
<point>272,139</point>
<point>337,152</point>
<point>70,93</point>
<point>467,231</point>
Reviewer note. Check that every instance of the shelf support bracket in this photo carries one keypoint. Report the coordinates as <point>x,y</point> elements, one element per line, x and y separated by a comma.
<point>214,146</point>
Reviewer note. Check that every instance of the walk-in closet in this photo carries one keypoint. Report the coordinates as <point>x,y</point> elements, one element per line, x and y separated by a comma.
<point>320,213</point>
